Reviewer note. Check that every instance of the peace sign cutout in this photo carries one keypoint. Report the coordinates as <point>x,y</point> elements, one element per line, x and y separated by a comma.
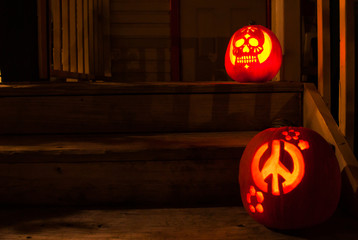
<point>274,167</point>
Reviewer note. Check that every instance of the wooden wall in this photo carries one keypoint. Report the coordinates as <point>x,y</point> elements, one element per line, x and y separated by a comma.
<point>140,40</point>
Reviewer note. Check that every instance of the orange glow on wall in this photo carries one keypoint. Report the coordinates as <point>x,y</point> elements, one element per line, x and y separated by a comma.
<point>253,55</point>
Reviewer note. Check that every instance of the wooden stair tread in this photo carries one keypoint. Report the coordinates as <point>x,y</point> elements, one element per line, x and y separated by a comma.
<point>176,223</point>
<point>129,147</point>
<point>174,169</point>
<point>110,88</point>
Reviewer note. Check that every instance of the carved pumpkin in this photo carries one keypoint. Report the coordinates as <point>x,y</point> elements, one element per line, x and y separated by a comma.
<point>289,178</point>
<point>253,55</point>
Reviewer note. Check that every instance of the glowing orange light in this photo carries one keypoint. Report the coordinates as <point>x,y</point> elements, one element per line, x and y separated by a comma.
<point>273,167</point>
<point>248,198</point>
<point>267,47</point>
<point>259,200</point>
<point>252,191</point>
<point>251,46</point>
<point>252,208</point>
<point>259,197</point>
<point>259,208</point>
<point>253,55</point>
<point>303,145</point>
<point>291,134</point>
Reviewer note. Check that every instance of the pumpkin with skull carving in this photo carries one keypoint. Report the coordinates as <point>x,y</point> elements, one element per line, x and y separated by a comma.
<point>253,55</point>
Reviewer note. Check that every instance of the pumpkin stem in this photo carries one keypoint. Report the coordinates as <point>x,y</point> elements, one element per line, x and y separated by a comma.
<point>252,22</point>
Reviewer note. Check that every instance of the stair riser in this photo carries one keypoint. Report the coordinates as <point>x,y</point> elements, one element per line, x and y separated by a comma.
<point>134,113</point>
<point>136,183</point>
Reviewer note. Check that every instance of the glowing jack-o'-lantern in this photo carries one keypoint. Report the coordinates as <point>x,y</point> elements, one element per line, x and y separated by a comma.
<point>253,55</point>
<point>289,178</point>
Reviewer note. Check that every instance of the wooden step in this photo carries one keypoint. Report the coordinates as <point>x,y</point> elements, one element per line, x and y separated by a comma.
<point>177,169</point>
<point>219,223</point>
<point>68,108</point>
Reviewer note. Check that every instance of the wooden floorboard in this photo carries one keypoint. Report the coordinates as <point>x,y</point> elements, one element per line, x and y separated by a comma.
<point>188,223</point>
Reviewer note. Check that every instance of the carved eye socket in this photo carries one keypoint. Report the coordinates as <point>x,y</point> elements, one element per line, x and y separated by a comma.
<point>253,42</point>
<point>239,42</point>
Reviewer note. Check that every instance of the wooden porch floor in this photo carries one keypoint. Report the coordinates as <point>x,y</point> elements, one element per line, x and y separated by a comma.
<point>224,223</point>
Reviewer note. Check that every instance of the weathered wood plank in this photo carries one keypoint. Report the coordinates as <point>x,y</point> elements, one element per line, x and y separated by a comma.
<point>86,36</point>
<point>138,54</point>
<point>163,169</point>
<point>286,24</point>
<point>80,42</point>
<point>175,42</point>
<point>148,113</point>
<point>140,30</point>
<point>346,102</point>
<point>291,62</point>
<point>127,184</point>
<point>121,148</point>
<point>91,31</point>
<point>147,66</point>
<point>73,36</point>
<point>140,25</point>
<point>157,5</point>
<point>140,17</point>
<point>57,41</point>
<point>317,117</point>
<point>96,33</point>
<point>65,36</point>
<point>229,223</point>
<point>107,88</point>
<point>107,68</point>
<point>135,77</point>
<point>100,35</point>
<point>138,42</point>
<point>323,49</point>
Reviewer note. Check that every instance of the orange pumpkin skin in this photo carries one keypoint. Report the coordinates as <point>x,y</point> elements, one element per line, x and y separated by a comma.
<point>289,178</point>
<point>253,55</point>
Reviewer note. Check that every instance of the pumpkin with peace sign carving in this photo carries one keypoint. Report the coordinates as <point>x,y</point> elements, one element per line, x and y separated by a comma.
<point>289,178</point>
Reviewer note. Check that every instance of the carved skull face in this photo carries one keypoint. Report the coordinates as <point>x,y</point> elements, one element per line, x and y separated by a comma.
<point>253,54</point>
<point>248,45</point>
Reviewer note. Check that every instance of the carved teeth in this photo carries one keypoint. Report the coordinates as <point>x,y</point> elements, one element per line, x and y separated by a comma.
<point>247,59</point>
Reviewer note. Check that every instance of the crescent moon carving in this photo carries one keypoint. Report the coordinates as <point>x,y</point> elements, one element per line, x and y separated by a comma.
<point>232,56</point>
<point>267,47</point>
